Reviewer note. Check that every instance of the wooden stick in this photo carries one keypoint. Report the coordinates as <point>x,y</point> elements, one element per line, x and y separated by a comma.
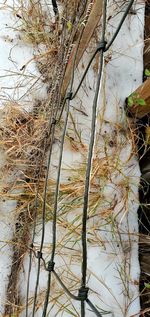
<point>91,24</point>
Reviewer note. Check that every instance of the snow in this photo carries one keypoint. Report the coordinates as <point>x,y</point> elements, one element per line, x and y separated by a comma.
<point>16,83</point>
<point>113,264</point>
<point>15,86</point>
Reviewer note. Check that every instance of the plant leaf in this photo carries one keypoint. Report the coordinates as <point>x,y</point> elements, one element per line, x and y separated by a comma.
<point>141,102</point>
<point>147,72</point>
<point>130,101</point>
<point>69,25</point>
<point>147,285</point>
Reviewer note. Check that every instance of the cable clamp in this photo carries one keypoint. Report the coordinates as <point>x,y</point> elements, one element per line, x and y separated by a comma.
<point>50,266</point>
<point>69,95</point>
<point>101,45</point>
<point>39,255</point>
<point>83,293</point>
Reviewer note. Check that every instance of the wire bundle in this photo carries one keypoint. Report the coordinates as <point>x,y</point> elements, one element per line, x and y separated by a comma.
<point>50,268</point>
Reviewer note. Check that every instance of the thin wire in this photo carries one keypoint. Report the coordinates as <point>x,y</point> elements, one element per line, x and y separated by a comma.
<point>65,288</point>
<point>120,25</point>
<point>58,184</point>
<point>36,286</point>
<point>103,48</point>
<point>55,211</point>
<point>82,308</point>
<point>94,309</point>
<point>90,154</point>
<point>28,283</point>
<point>33,233</point>
<point>106,48</point>
<point>47,295</point>
<point>29,271</point>
<point>62,109</point>
<point>55,6</point>
<point>58,179</point>
<point>52,131</point>
<point>85,72</point>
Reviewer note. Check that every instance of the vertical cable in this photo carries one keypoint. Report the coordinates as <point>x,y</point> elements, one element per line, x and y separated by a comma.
<point>51,132</point>
<point>55,7</point>
<point>83,290</point>
<point>90,153</point>
<point>54,224</point>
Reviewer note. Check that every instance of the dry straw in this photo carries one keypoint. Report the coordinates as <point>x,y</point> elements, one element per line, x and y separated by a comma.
<point>25,139</point>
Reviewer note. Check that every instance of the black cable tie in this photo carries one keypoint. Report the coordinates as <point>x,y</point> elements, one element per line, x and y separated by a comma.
<point>101,45</point>
<point>54,121</point>
<point>69,95</point>
<point>83,293</point>
<point>50,266</point>
<point>39,255</point>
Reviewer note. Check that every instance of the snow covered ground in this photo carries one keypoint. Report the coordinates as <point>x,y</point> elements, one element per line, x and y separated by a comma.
<point>21,87</point>
<point>113,265</point>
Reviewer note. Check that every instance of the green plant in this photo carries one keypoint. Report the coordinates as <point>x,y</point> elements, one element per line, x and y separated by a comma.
<point>134,99</point>
<point>147,285</point>
<point>69,25</point>
<point>147,72</point>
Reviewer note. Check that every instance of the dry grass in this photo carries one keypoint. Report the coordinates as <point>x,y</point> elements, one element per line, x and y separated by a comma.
<point>25,135</point>
<point>35,22</point>
<point>22,134</point>
<point>25,138</point>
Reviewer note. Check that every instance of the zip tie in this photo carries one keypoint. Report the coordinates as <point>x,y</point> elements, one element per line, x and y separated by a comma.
<point>50,266</point>
<point>101,45</point>
<point>54,121</point>
<point>83,293</point>
<point>69,95</point>
<point>39,255</point>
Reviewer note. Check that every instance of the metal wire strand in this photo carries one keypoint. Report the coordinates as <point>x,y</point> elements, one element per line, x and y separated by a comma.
<point>90,154</point>
<point>107,46</point>
<point>55,7</point>
<point>102,47</point>
<point>82,308</point>
<point>77,298</point>
<point>67,100</point>
<point>84,74</point>
<point>34,228</point>
<point>55,210</point>
<point>94,309</point>
<point>47,295</point>
<point>120,25</point>
<point>28,283</point>
<point>51,131</point>
<point>36,287</point>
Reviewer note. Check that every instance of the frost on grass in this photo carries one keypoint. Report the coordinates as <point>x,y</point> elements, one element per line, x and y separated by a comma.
<point>112,225</point>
